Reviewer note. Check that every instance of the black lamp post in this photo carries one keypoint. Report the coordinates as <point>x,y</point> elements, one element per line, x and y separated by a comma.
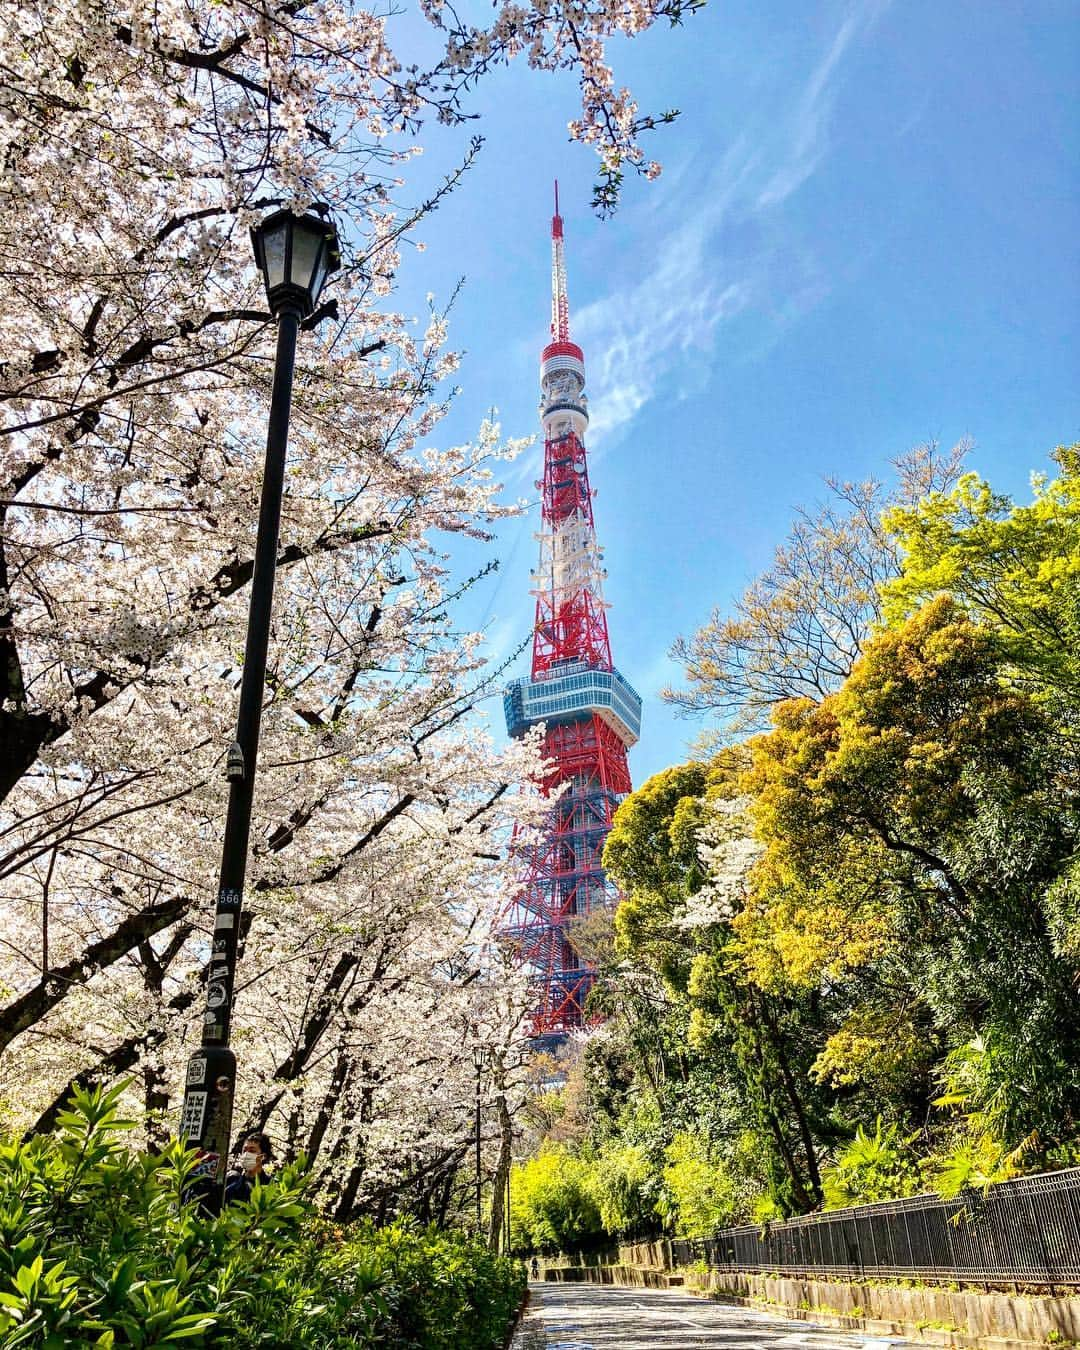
<point>296,255</point>
<point>481,1059</point>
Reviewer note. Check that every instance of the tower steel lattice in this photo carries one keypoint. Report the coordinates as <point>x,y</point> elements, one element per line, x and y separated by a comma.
<point>591,714</point>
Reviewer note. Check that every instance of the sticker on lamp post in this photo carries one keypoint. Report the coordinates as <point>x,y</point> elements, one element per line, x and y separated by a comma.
<point>191,1124</point>
<point>207,1165</point>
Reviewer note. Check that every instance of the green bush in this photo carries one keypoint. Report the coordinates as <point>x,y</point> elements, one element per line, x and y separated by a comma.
<point>623,1184</point>
<point>871,1167</point>
<point>552,1202</point>
<point>99,1248</point>
<point>699,1194</point>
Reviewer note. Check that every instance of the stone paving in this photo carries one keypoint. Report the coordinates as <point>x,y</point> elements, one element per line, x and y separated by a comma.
<point>600,1317</point>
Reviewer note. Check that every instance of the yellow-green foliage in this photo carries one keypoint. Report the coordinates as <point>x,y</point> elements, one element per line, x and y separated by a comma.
<point>1016,569</point>
<point>977,1160</point>
<point>699,1193</point>
<point>852,790</point>
<point>622,1179</point>
<point>552,1201</point>
<point>877,1048</point>
<point>877,1166</point>
<point>651,844</point>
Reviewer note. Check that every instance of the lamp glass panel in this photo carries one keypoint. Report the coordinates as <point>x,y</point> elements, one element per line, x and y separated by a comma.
<point>273,243</point>
<point>320,276</point>
<point>306,248</point>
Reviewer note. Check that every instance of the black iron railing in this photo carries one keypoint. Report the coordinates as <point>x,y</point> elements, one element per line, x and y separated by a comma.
<point>1025,1231</point>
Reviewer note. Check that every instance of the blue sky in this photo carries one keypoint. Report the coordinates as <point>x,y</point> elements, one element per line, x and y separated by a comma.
<point>865,236</point>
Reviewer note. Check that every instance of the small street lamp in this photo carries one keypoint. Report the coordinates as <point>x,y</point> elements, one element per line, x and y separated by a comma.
<point>481,1061</point>
<point>295,254</point>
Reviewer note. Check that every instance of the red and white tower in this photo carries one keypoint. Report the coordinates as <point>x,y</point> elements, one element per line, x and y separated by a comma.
<point>591,714</point>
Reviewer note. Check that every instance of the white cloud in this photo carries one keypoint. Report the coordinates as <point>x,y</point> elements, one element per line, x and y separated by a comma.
<point>634,338</point>
<point>808,127</point>
<point>639,337</point>
<point>616,405</point>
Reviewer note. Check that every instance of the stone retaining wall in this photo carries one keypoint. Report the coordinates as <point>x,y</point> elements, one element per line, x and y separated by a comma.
<point>643,1277</point>
<point>954,1317</point>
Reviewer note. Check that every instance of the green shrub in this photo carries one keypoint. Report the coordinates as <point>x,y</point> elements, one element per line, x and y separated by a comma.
<point>623,1185</point>
<point>552,1202</point>
<point>876,1166</point>
<point>699,1193</point>
<point>99,1248</point>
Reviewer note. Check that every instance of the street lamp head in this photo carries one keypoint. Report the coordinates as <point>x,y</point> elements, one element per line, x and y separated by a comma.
<point>481,1055</point>
<point>295,254</point>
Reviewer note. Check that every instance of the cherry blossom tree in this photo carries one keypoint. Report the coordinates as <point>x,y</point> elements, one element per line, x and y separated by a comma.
<point>137,144</point>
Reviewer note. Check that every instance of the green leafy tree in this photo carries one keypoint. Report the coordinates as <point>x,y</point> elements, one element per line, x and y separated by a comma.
<point>918,817</point>
<point>678,852</point>
<point>700,1193</point>
<point>1015,570</point>
<point>624,1184</point>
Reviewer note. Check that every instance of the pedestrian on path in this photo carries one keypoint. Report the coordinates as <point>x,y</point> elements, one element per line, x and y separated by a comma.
<point>255,1152</point>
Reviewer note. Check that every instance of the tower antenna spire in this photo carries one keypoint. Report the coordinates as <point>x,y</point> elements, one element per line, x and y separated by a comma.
<point>560,305</point>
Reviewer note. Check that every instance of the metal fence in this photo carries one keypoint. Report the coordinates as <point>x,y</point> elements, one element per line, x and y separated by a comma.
<point>1025,1231</point>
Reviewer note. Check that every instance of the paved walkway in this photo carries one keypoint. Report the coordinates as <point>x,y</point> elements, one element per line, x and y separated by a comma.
<point>599,1317</point>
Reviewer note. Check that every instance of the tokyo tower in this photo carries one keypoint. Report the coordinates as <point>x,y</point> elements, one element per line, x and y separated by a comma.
<point>591,714</point>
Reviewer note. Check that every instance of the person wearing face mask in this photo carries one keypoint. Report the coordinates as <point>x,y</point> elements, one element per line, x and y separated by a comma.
<point>255,1153</point>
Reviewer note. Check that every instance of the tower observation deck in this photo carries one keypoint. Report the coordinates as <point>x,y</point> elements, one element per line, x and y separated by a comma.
<point>590,713</point>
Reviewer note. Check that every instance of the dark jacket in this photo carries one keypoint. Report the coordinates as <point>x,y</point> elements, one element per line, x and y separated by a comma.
<point>238,1186</point>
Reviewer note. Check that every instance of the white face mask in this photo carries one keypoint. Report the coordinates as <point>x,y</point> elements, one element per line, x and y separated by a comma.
<point>249,1161</point>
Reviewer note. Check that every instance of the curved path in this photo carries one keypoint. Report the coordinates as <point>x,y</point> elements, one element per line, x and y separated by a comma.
<point>600,1317</point>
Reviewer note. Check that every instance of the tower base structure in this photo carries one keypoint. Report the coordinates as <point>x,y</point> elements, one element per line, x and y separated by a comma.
<point>563,879</point>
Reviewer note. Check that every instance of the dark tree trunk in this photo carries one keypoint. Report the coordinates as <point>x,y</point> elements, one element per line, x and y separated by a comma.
<point>502,1171</point>
<point>753,1052</point>
<point>339,1084</point>
<point>347,1201</point>
<point>32,1006</point>
<point>449,1177</point>
<point>795,1098</point>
